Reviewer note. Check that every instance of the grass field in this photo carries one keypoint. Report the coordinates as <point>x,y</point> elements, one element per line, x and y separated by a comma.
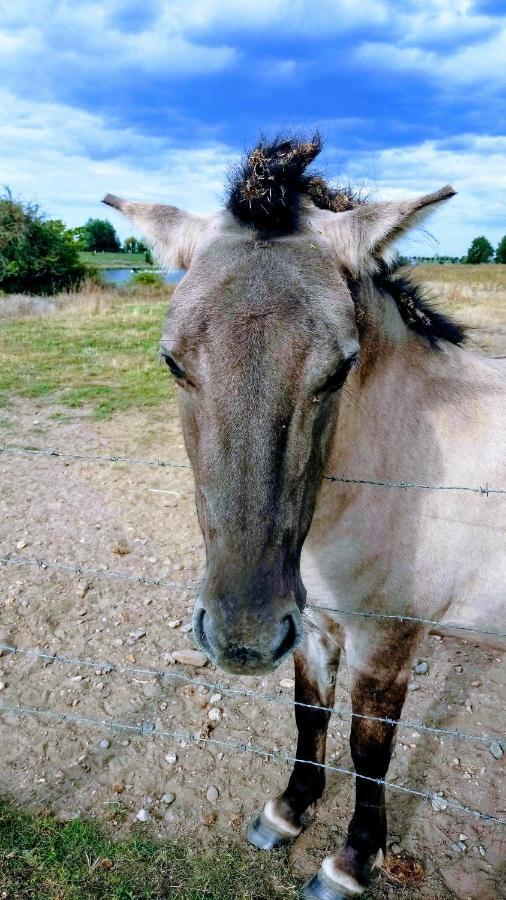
<point>42,859</point>
<point>115,260</point>
<point>99,348</point>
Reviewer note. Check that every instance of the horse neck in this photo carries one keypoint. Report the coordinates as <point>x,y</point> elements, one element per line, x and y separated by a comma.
<point>385,400</point>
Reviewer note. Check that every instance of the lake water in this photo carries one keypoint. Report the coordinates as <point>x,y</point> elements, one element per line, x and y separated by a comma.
<point>122,276</point>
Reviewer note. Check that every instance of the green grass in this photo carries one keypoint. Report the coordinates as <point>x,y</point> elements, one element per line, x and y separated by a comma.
<point>100,350</point>
<point>41,859</point>
<point>114,260</point>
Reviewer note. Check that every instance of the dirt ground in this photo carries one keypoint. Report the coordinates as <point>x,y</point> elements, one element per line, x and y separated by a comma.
<point>139,520</point>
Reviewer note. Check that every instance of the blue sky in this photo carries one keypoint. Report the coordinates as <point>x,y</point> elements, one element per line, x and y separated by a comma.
<point>155,100</point>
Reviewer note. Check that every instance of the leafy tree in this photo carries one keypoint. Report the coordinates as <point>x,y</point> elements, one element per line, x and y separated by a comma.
<point>132,245</point>
<point>101,236</point>
<point>80,237</point>
<point>37,255</point>
<point>500,253</point>
<point>480,251</point>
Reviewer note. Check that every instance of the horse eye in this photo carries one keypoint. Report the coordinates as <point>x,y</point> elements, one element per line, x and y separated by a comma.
<point>175,370</point>
<point>337,379</point>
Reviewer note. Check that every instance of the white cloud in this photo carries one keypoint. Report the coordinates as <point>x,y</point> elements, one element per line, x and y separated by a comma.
<point>474,164</point>
<point>66,160</point>
<point>480,62</point>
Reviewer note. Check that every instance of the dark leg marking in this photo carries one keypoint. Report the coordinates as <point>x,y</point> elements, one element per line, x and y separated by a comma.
<point>315,674</point>
<point>347,873</point>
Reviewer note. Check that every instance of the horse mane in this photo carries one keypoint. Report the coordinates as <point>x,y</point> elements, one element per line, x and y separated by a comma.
<point>265,193</point>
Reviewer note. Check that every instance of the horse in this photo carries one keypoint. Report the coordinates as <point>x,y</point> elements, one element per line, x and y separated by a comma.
<point>300,350</point>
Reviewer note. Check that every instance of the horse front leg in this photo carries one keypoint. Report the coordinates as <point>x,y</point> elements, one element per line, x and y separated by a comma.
<point>280,821</point>
<point>378,691</point>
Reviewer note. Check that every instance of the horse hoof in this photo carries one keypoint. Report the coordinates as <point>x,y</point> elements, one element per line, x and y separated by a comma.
<point>317,890</point>
<point>264,836</point>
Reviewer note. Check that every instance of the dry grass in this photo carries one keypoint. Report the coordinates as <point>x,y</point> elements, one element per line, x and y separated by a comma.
<point>476,296</point>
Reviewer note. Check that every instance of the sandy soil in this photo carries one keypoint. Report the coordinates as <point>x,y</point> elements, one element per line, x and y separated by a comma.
<point>118,517</point>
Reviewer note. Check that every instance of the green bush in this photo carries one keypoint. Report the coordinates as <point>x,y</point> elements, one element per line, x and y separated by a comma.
<point>37,255</point>
<point>151,279</point>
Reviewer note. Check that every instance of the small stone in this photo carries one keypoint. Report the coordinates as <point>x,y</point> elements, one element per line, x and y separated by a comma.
<point>413,686</point>
<point>143,815</point>
<point>105,744</point>
<point>174,623</point>
<point>456,761</point>
<point>438,803</point>
<point>21,545</point>
<point>475,683</point>
<point>482,850</point>
<point>170,758</point>
<point>212,794</point>
<point>462,837</point>
<point>396,849</point>
<point>187,628</point>
<point>99,686</point>
<point>190,657</point>
<point>421,667</point>
<point>462,846</point>
<point>118,788</point>
<point>495,748</point>
<point>82,589</point>
<point>168,799</point>
<point>138,634</point>
<point>214,714</point>
<point>287,683</point>
<point>219,756</point>
<point>2,685</point>
<point>456,848</point>
<point>215,698</point>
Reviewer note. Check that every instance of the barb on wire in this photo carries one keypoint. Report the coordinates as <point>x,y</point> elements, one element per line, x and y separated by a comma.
<point>399,617</point>
<point>341,479</point>
<point>96,573</point>
<point>216,687</point>
<point>411,485</point>
<point>149,729</point>
<point>94,457</point>
<point>163,582</point>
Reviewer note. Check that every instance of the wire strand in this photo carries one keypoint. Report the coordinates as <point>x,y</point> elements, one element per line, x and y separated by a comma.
<point>160,463</point>
<point>149,729</point>
<point>341,712</point>
<point>163,582</point>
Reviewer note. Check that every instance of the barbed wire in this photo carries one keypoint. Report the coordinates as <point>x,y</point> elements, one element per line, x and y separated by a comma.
<point>163,582</point>
<point>95,573</point>
<point>149,729</point>
<point>160,463</point>
<point>341,712</point>
<point>91,457</point>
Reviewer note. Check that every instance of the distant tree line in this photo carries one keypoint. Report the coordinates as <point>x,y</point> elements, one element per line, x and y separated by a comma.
<point>480,251</point>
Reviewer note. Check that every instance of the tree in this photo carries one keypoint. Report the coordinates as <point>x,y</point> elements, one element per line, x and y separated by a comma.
<point>101,236</point>
<point>480,251</point>
<point>37,255</point>
<point>131,245</point>
<point>500,253</point>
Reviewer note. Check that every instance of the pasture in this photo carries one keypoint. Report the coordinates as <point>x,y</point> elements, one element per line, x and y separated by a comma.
<point>82,376</point>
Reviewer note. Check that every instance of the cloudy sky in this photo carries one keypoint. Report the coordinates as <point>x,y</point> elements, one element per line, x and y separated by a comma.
<point>155,100</point>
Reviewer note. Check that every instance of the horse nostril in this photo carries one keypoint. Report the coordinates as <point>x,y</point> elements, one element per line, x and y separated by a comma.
<point>289,636</point>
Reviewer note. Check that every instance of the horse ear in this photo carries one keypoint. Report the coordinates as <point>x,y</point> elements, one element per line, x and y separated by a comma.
<point>365,234</point>
<point>172,232</point>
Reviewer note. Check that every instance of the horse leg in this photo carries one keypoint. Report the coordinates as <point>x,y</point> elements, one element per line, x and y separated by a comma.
<point>316,665</point>
<point>377,690</point>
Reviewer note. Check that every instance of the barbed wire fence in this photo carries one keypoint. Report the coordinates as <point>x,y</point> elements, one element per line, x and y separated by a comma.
<point>149,729</point>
